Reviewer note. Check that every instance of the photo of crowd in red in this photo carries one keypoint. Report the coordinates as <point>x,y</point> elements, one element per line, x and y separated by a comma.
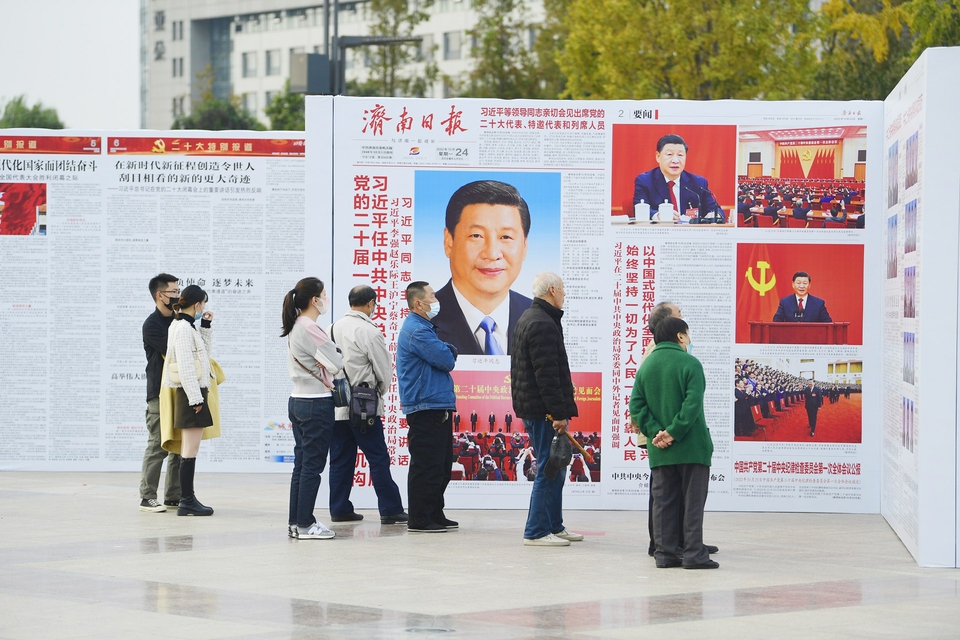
<point>23,209</point>
<point>491,444</point>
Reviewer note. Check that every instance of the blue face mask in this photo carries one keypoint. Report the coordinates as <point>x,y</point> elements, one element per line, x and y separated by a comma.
<point>198,315</point>
<point>434,310</point>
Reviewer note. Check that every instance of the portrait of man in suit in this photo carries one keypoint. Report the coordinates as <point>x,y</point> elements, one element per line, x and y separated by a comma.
<point>485,239</point>
<point>670,183</point>
<point>801,306</point>
<point>812,400</point>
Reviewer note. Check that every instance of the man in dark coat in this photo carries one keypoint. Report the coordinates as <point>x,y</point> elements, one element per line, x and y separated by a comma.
<point>542,391</point>
<point>813,400</point>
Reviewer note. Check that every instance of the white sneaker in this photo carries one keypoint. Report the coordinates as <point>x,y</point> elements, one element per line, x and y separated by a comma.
<point>548,540</point>
<point>293,531</point>
<point>569,535</point>
<point>316,532</point>
<point>152,506</point>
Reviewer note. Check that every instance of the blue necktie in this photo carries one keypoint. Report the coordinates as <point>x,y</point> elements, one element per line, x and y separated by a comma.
<point>491,347</point>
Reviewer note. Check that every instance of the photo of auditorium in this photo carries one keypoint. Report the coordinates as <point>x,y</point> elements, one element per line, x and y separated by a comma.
<point>775,401</point>
<point>893,174</point>
<point>801,178</point>
<point>490,443</point>
<point>23,209</point>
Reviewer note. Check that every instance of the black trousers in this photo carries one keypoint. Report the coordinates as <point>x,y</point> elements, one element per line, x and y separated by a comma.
<point>430,441</point>
<point>676,488</point>
<point>812,417</point>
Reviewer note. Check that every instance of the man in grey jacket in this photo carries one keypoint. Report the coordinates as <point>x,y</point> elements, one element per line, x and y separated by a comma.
<point>365,360</point>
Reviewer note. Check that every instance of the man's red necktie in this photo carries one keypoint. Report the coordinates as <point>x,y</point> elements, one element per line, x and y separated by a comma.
<point>673,198</point>
<point>800,304</point>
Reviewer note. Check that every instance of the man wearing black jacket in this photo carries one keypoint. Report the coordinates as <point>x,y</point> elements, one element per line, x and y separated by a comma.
<point>542,391</point>
<point>164,290</point>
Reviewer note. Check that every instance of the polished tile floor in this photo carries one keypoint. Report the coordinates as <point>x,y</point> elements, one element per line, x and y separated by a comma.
<point>79,560</point>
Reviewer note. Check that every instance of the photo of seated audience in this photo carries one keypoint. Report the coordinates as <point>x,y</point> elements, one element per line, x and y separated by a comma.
<point>511,457</point>
<point>801,178</point>
<point>912,152</point>
<point>775,401</point>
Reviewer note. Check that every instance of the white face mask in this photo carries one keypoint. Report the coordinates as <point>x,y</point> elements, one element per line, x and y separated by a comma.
<point>434,310</point>
<point>321,307</point>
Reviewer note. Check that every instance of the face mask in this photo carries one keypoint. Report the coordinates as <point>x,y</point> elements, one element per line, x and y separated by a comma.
<point>434,310</point>
<point>198,315</point>
<point>170,302</point>
<point>321,308</point>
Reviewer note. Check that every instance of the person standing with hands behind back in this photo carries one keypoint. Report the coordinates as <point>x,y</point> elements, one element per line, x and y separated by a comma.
<point>312,360</point>
<point>667,406</point>
<point>188,354</point>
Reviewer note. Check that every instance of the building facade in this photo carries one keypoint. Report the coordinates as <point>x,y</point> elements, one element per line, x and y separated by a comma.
<point>246,46</point>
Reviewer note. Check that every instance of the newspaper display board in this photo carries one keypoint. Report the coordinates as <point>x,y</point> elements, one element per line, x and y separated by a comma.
<point>919,330</point>
<point>781,189</point>
<point>86,219</point>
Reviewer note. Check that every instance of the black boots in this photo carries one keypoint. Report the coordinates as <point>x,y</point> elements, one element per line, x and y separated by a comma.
<point>189,505</point>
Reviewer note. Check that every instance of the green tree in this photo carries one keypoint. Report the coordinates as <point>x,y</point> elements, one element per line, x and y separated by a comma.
<point>505,65</point>
<point>16,113</point>
<point>865,49</point>
<point>935,23</point>
<point>215,114</point>
<point>692,49</point>
<point>286,110</point>
<point>386,78</point>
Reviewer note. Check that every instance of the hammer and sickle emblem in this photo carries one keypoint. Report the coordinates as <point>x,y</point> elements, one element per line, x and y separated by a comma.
<point>807,154</point>
<point>159,146</point>
<point>763,285</point>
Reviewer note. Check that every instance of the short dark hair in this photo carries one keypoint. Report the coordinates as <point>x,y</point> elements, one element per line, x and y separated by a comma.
<point>416,291</point>
<point>160,281</point>
<point>671,138</point>
<point>661,311</point>
<point>801,274</point>
<point>669,329</point>
<point>361,295</point>
<point>486,192</point>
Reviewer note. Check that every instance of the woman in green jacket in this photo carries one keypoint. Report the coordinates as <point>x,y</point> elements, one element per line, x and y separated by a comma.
<point>667,407</point>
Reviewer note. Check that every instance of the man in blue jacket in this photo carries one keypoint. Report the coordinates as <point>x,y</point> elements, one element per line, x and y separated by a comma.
<point>424,363</point>
<point>802,307</point>
<point>668,182</point>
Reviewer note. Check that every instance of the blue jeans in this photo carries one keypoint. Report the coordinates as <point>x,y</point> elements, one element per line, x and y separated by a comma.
<point>343,459</point>
<point>546,499</point>
<point>312,420</point>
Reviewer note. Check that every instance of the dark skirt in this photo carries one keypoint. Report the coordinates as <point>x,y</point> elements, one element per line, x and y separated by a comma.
<point>185,416</point>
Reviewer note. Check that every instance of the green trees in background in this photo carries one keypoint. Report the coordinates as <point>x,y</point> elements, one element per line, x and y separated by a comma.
<point>215,114</point>
<point>286,110</point>
<point>387,62</point>
<point>16,113</point>
<point>705,49</point>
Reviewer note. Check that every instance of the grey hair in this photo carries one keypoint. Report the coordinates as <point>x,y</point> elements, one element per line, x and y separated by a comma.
<point>543,281</point>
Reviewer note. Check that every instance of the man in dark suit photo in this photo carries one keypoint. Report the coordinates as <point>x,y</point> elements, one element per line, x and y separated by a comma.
<point>485,239</point>
<point>801,306</point>
<point>669,183</point>
<point>813,400</point>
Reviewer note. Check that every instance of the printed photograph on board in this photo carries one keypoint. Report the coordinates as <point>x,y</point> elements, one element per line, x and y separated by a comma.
<point>910,226</point>
<point>810,178</point>
<point>912,159</point>
<point>491,444</point>
<point>800,293</point>
<point>893,174</point>
<point>910,292</point>
<point>480,238</point>
<point>909,357</point>
<point>673,174</point>
<point>798,399</point>
<point>892,247</point>
<point>23,209</point>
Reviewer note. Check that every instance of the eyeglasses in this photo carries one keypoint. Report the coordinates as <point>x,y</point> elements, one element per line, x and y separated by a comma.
<point>171,294</point>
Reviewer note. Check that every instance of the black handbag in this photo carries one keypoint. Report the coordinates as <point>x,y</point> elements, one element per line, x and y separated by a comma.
<point>363,408</point>
<point>341,391</point>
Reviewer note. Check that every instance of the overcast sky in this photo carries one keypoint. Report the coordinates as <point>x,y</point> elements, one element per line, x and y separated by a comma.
<point>81,57</point>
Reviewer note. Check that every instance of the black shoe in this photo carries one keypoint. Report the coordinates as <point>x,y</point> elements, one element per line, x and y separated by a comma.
<point>397,518</point>
<point>712,549</point>
<point>450,524</point>
<point>192,507</point>
<point>669,564</point>
<point>349,517</point>
<point>708,564</point>
<point>430,527</point>
<point>812,432</point>
<point>171,503</point>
